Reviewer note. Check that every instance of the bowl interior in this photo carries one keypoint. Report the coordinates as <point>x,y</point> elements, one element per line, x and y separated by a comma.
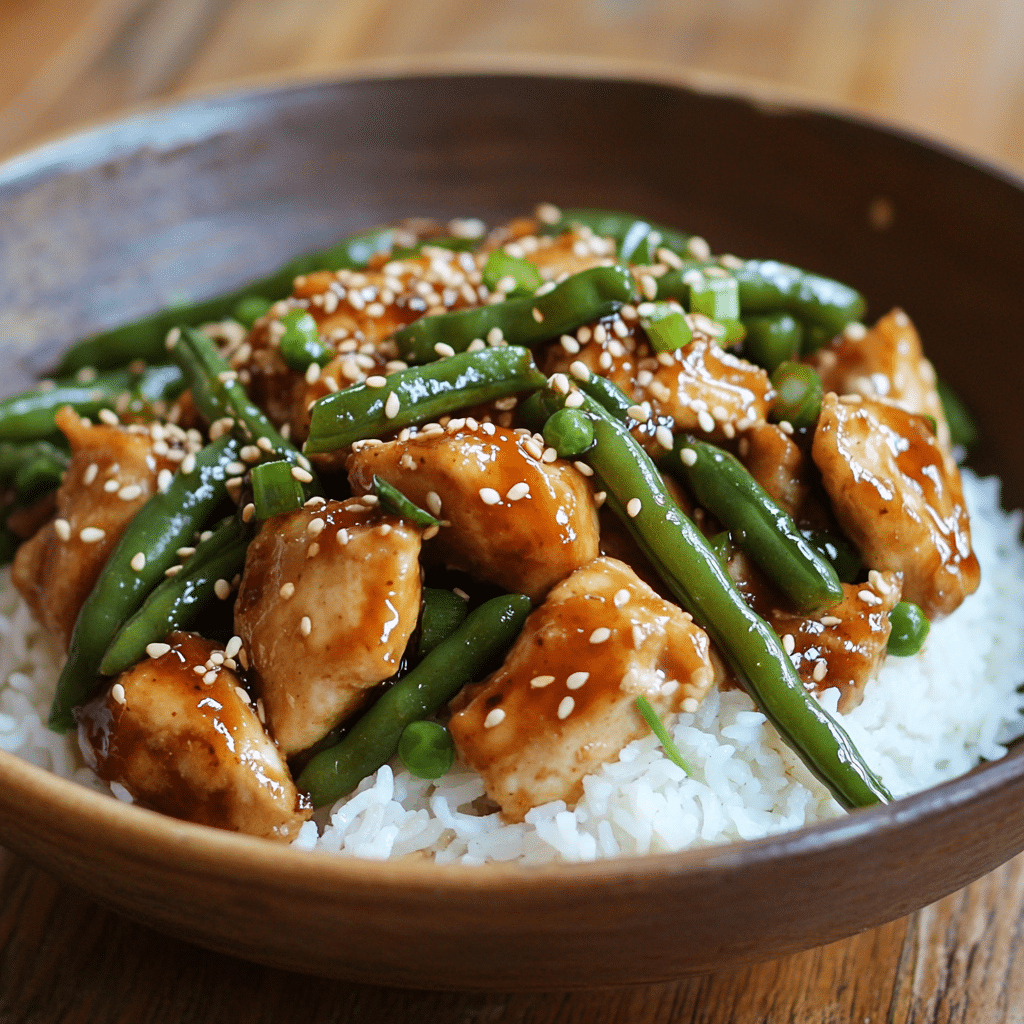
<point>195,198</point>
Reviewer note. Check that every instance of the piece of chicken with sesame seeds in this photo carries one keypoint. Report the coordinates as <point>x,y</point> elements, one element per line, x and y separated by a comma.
<point>898,498</point>
<point>512,518</point>
<point>562,704</point>
<point>190,744</point>
<point>328,600</point>
<point>112,473</point>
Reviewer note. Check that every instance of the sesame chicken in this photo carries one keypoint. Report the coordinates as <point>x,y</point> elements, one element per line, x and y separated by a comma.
<point>112,473</point>
<point>328,600</point>
<point>563,702</point>
<point>512,517</point>
<point>898,498</point>
<point>190,744</point>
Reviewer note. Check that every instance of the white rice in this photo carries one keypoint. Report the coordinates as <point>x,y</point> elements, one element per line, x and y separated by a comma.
<point>923,720</point>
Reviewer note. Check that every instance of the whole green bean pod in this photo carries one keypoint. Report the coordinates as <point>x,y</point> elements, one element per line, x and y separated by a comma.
<point>583,297</point>
<point>31,469</point>
<point>766,532</point>
<point>485,636</point>
<point>677,549</point>
<point>30,416</point>
<point>144,339</point>
<point>422,393</point>
<point>636,239</point>
<point>177,600</point>
<point>169,520</point>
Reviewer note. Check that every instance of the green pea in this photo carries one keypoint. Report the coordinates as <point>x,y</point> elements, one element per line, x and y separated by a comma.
<point>799,393</point>
<point>249,309</point>
<point>909,628</point>
<point>569,432</point>
<point>300,344</point>
<point>426,749</point>
<point>772,338</point>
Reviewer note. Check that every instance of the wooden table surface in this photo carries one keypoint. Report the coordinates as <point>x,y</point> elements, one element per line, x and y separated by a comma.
<point>952,70</point>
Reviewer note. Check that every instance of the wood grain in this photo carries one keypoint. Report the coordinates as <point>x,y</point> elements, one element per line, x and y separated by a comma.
<point>951,70</point>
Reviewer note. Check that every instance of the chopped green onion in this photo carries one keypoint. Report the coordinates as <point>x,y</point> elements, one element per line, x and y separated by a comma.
<point>523,274</point>
<point>248,310</point>
<point>426,749</point>
<point>275,490</point>
<point>395,500</point>
<point>300,344</point>
<point>666,327</point>
<point>715,296</point>
<point>650,716</point>
<point>570,432</point>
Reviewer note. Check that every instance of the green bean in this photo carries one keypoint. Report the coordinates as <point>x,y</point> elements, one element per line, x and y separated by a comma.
<point>588,295</point>
<point>426,749</point>
<point>500,267</point>
<point>909,629</point>
<point>300,345</point>
<point>666,327</point>
<point>30,416</point>
<point>392,498</point>
<point>275,490</point>
<point>144,339</point>
<point>762,529</point>
<point>448,242</point>
<point>636,240</point>
<point>843,555</point>
<point>177,600</point>
<point>249,309</point>
<point>443,613</point>
<point>168,521</point>
<point>799,394</point>
<point>485,636</point>
<point>690,568</point>
<point>963,430</point>
<point>569,432</point>
<point>31,469</point>
<point>772,338</point>
<point>422,393</point>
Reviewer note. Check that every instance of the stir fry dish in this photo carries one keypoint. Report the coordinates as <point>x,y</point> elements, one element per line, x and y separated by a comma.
<point>510,498</point>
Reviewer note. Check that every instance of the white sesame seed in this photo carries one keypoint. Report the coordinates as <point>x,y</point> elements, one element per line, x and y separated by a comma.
<point>443,350</point>
<point>287,589</point>
<point>537,315</point>
<point>621,598</point>
<point>90,473</point>
<point>788,643</point>
<point>633,507</point>
<point>163,480</point>
<point>117,692</point>
<point>91,535</point>
<point>302,475</point>
<point>315,527</point>
<point>820,671</point>
<point>62,528</point>
<point>495,335</point>
<point>343,536</point>
<point>138,562</point>
<point>384,529</point>
<point>579,369</point>
<point>785,426</point>
<point>173,570</point>
<point>830,620</point>
<point>549,456</point>
<point>600,634</point>
<point>111,485</point>
<point>517,491</point>
<point>249,513</point>
<point>188,464</point>
<point>305,626</point>
<point>576,680</point>
<point>222,589</point>
<point>392,405</point>
<point>109,417</point>
<point>539,682</point>
<point>869,598</point>
<point>210,677</point>
<point>688,457</point>
<point>431,532</point>
<point>313,550</point>
<point>129,493</point>
<point>706,421</point>
<point>489,496</point>
<point>569,344</point>
<point>565,707</point>
<point>583,468</point>
<point>663,436</point>
<point>376,381</point>
<point>434,502</point>
<point>199,670</point>
<point>157,650</point>
<point>573,400</point>
<point>494,717</point>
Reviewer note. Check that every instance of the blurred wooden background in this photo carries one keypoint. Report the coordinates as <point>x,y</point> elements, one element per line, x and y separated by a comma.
<point>952,69</point>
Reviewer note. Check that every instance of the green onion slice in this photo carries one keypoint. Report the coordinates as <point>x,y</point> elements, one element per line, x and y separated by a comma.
<point>666,327</point>
<point>650,716</point>
<point>275,490</point>
<point>395,500</point>
<point>500,267</point>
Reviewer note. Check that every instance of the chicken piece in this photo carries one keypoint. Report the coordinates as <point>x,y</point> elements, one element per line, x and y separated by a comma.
<point>181,735</point>
<point>328,600</point>
<point>785,472</point>
<point>112,473</point>
<point>884,361</point>
<point>898,498</point>
<point>513,519</point>
<point>843,646</point>
<point>563,702</point>
<point>704,388</point>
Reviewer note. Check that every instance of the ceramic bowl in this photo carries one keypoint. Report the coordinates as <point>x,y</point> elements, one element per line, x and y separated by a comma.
<point>192,198</point>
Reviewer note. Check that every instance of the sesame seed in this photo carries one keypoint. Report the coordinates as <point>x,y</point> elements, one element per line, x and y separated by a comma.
<point>820,671</point>
<point>249,513</point>
<point>494,717</point>
<point>313,550</point>
<point>173,337</point>
<point>600,634</point>
<point>706,421</point>
<point>576,680</point>
<point>90,473</point>
<point>605,361</point>
<point>384,529</point>
<point>392,405</point>
<point>62,528</point>
<point>376,381</point>
<point>434,502</point>
<point>830,620</point>
<point>343,536</point>
<point>243,695</point>
<point>633,507</point>
<point>305,626</point>
<point>637,412</point>
<point>199,670</point>
<point>495,335</point>
<point>302,475</point>
<point>533,449</point>
<point>173,570</point>
<point>573,400</point>
<point>117,692</point>
<point>785,426</point>
<point>621,598</point>
<point>579,369</point>
<point>688,457</point>
<point>560,383</point>
<point>222,589</point>
<point>600,497</point>
<point>539,682</point>
<point>138,562</point>
<point>549,456</point>
<point>315,527</point>
<point>211,677</point>
<point>91,535</point>
<point>111,485</point>
<point>517,491</point>
<point>489,496</point>
<point>460,593</point>
<point>649,287</point>
<point>583,468</point>
<point>788,643</point>
<point>431,532</point>
<point>638,636</point>
<point>130,493</point>
<point>109,417</point>
<point>188,464</point>
<point>287,589</point>
<point>869,598</point>
<point>690,704</point>
<point>163,480</point>
<point>664,437</point>
<point>537,315</point>
<point>569,344</point>
<point>443,350</point>
<point>565,707</point>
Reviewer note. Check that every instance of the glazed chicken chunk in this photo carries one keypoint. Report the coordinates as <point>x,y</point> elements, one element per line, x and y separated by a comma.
<point>328,600</point>
<point>898,497</point>
<point>181,736</point>
<point>513,518</point>
<point>563,702</point>
<point>112,473</point>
